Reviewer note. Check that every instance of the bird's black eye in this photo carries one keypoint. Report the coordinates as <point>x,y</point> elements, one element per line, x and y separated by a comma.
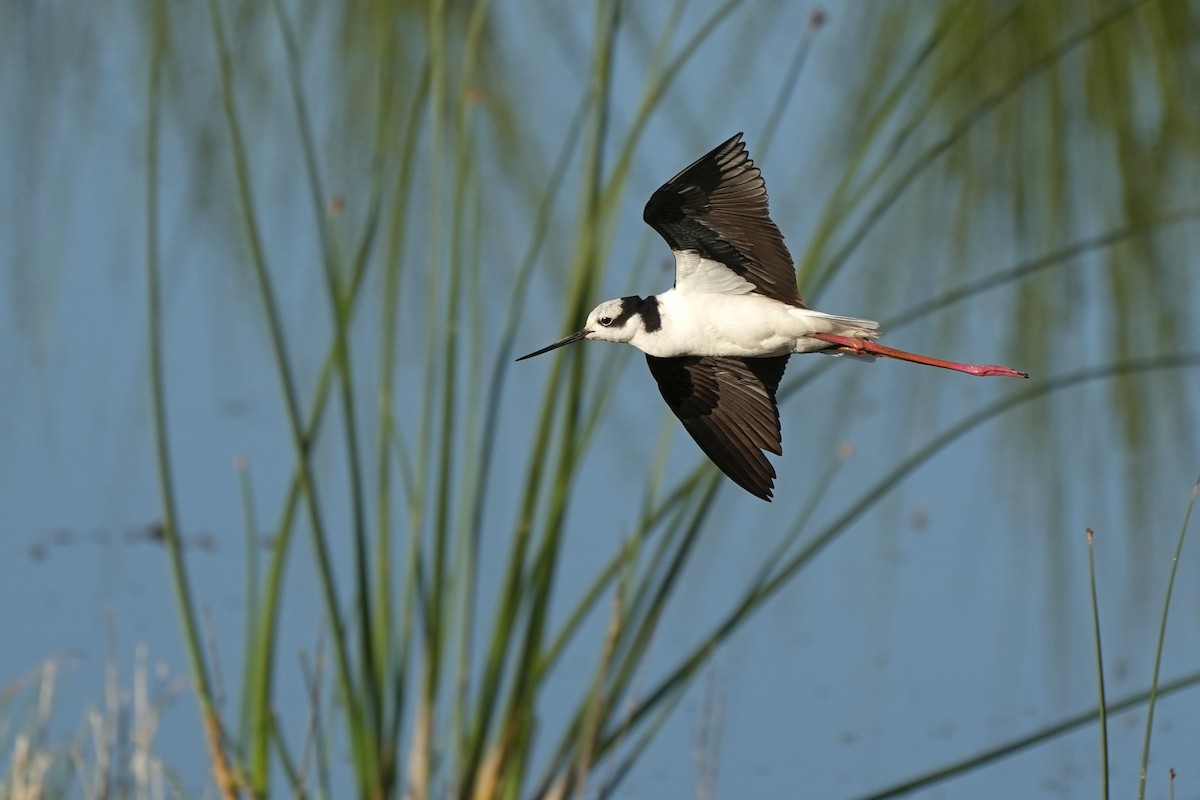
<point>605,321</point>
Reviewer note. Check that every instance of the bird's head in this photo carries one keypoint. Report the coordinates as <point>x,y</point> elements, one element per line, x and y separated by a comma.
<point>612,321</point>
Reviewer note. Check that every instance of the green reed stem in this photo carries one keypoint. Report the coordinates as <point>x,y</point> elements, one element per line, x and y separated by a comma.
<point>294,418</point>
<point>960,129</point>
<point>339,313</point>
<point>1039,737</point>
<point>250,647</point>
<point>838,207</point>
<point>214,736</point>
<point>1103,710</point>
<point>778,577</point>
<point>1162,638</point>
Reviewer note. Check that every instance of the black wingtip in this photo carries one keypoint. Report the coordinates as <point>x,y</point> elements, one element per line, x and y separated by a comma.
<point>763,491</point>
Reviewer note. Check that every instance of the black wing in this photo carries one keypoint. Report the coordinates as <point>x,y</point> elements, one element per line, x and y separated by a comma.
<point>728,407</point>
<point>718,207</point>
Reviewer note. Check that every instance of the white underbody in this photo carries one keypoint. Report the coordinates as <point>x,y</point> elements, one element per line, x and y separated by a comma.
<point>714,312</point>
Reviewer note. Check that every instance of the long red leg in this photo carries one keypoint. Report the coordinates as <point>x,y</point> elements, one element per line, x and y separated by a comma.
<point>867,347</point>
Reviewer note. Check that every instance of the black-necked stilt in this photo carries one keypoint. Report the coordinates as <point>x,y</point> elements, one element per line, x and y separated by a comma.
<point>718,341</point>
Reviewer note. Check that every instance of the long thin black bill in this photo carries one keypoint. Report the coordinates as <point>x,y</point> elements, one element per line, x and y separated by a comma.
<point>577,336</point>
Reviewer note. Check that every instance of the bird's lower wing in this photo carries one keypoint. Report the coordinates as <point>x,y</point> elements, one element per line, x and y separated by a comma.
<point>728,407</point>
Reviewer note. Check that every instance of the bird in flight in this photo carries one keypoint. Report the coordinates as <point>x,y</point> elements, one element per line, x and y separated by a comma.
<point>718,341</point>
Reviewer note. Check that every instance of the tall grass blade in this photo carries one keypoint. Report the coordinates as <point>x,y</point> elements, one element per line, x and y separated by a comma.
<point>968,121</point>
<point>369,679</point>
<point>1103,711</point>
<point>787,86</point>
<point>214,735</point>
<point>1162,638</point>
<point>989,757</point>
<point>780,574</point>
<point>301,443</point>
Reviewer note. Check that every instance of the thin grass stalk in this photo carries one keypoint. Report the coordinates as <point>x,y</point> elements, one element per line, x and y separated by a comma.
<point>591,596</point>
<point>511,594</point>
<point>499,371</point>
<point>651,599</point>
<point>541,227</point>
<point>507,612</point>
<point>656,474</point>
<point>635,595</point>
<point>259,690</point>
<point>321,756</point>
<point>633,639</point>
<point>594,698</point>
<point>659,57</point>
<point>258,685</point>
<point>780,576</point>
<point>265,640</point>
<point>469,489</point>
<point>454,483</point>
<point>837,206</point>
<point>411,613</point>
<point>541,577</point>
<point>250,649</point>
<point>1162,639</point>
<point>912,314</point>
<point>438,371</point>
<point>314,749</point>
<point>656,87</point>
<point>1037,738</point>
<point>444,572</point>
<point>1027,268</point>
<point>400,669</point>
<point>995,280</point>
<point>369,682</point>
<point>951,74</point>
<point>568,743</point>
<point>957,131</point>
<point>791,77</point>
<point>1103,711</point>
<point>384,577</point>
<point>668,514</point>
<point>818,493</point>
<point>485,704</point>
<point>389,433</point>
<point>652,591</point>
<point>461,482</point>
<point>214,736</point>
<point>639,747</point>
<point>300,442</point>
<point>840,207</point>
<point>293,774</point>
<point>470,545</point>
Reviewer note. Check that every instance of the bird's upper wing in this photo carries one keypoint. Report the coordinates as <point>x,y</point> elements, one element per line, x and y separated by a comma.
<point>718,208</point>
<point>728,407</point>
